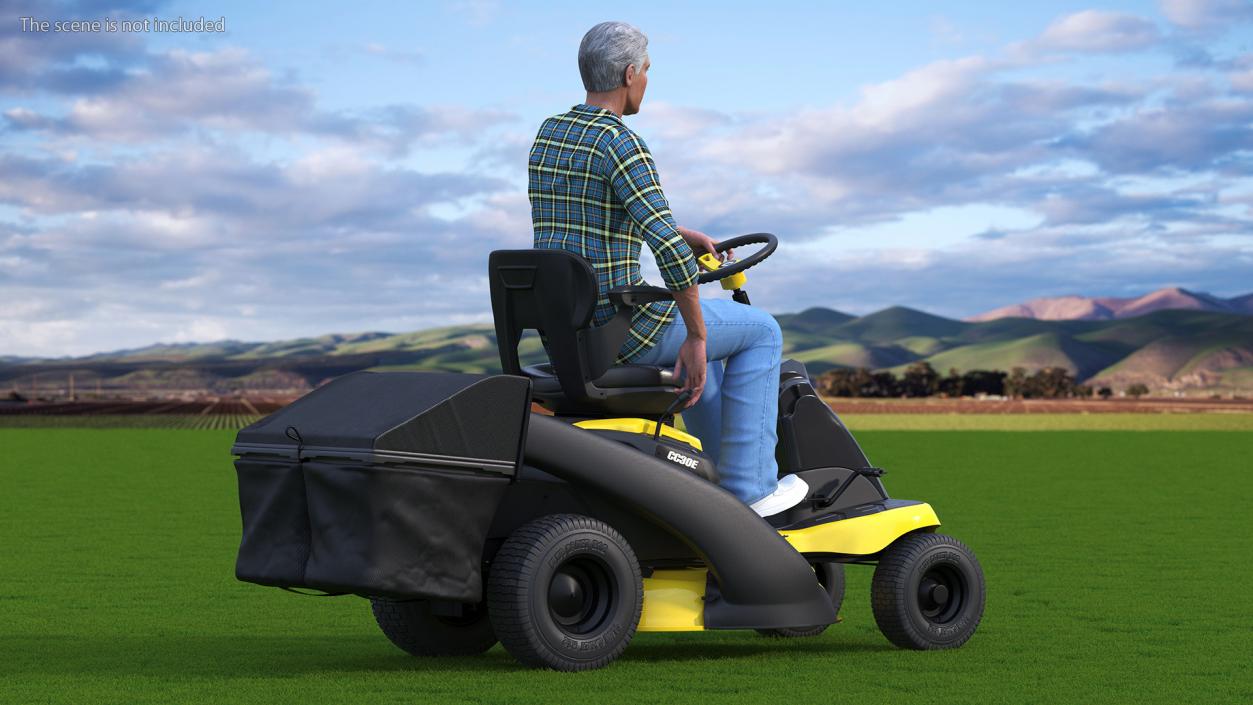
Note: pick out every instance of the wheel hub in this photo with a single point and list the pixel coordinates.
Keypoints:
(580, 595)
(933, 594)
(940, 594)
(567, 597)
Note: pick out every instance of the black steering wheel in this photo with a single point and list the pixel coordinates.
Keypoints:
(770, 241)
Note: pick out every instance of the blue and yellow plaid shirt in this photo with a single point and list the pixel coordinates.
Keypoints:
(594, 191)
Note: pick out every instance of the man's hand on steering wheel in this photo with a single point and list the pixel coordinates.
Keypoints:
(702, 243)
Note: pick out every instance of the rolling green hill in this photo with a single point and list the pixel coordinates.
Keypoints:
(1049, 349)
(849, 354)
(1170, 349)
(896, 323)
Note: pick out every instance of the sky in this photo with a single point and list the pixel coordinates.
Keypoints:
(325, 167)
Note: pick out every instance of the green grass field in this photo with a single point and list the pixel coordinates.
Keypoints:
(1117, 567)
(1049, 422)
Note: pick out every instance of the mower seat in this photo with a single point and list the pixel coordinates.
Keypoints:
(554, 292)
(616, 377)
(635, 387)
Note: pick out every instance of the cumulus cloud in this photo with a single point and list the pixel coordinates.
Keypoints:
(201, 196)
(1098, 31)
(352, 264)
(1204, 15)
(177, 92)
(32, 62)
(952, 132)
(170, 228)
(1182, 136)
(1240, 73)
(1131, 181)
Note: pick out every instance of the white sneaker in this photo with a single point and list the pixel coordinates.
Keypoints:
(791, 491)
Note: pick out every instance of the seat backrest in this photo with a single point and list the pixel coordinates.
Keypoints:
(553, 292)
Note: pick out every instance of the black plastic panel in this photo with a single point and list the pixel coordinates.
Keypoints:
(427, 413)
(810, 433)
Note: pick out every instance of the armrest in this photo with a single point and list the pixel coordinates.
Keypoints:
(629, 296)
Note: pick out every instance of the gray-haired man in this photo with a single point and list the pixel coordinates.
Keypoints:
(594, 191)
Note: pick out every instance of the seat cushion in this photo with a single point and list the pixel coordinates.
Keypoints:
(617, 377)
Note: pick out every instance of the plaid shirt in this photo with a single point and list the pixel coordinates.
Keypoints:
(594, 191)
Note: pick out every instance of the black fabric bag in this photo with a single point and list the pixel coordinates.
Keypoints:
(275, 544)
(380, 484)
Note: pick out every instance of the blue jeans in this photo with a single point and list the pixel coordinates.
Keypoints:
(736, 416)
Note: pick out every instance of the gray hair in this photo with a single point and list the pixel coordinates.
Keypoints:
(606, 51)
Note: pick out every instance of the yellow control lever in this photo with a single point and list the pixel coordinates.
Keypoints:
(731, 283)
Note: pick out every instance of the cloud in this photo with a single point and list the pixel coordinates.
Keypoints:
(990, 234)
(1098, 31)
(335, 189)
(1240, 73)
(952, 132)
(223, 89)
(1127, 177)
(674, 122)
(476, 12)
(180, 92)
(171, 229)
(1182, 136)
(401, 56)
(396, 129)
(1207, 15)
(1091, 204)
(345, 248)
(35, 62)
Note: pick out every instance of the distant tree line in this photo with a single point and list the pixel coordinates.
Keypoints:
(921, 380)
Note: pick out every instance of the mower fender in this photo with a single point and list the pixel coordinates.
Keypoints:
(863, 535)
(761, 582)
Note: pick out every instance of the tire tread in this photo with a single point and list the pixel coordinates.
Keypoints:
(890, 583)
(508, 592)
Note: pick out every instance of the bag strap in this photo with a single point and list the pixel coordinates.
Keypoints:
(312, 593)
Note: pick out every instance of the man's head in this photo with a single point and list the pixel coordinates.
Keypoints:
(613, 58)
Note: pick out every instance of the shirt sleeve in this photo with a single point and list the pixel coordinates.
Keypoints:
(633, 178)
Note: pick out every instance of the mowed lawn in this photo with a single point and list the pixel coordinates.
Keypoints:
(1118, 569)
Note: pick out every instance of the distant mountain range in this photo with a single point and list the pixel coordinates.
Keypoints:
(1107, 308)
(1165, 349)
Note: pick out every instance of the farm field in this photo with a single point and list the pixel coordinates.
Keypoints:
(934, 414)
(1114, 559)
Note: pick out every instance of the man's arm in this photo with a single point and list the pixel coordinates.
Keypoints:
(633, 177)
(692, 351)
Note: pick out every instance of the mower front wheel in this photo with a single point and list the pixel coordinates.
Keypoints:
(927, 592)
(565, 593)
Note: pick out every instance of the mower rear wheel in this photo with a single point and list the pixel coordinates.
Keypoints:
(565, 593)
(412, 626)
(831, 578)
(927, 592)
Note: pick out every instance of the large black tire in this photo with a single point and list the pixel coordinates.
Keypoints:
(565, 593)
(414, 628)
(928, 592)
(831, 578)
